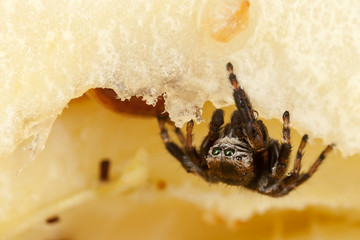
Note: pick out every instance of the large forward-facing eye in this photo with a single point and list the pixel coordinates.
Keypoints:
(216, 151)
(229, 152)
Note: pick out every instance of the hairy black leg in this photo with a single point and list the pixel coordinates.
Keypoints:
(297, 164)
(254, 129)
(286, 128)
(189, 127)
(242, 101)
(217, 120)
(290, 182)
(290, 185)
(261, 137)
(180, 136)
(292, 176)
(267, 167)
(189, 147)
(279, 160)
(235, 119)
(236, 124)
(279, 164)
(174, 149)
(177, 152)
(316, 164)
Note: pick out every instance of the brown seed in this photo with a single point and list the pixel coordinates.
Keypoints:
(104, 170)
(52, 219)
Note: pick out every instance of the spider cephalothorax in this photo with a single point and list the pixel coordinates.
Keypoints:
(230, 160)
(242, 153)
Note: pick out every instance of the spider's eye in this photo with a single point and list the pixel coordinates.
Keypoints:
(229, 152)
(216, 151)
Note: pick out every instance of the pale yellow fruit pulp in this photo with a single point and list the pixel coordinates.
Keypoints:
(64, 183)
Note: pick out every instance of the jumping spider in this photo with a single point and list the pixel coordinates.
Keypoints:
(242, 153)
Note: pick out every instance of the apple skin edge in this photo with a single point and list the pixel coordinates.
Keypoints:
(135, 105)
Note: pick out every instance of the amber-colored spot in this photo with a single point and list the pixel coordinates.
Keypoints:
(227, 18)
(161, 185)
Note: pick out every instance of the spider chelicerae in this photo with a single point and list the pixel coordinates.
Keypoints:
(242, 153)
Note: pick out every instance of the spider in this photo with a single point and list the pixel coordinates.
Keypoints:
(241, 153)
